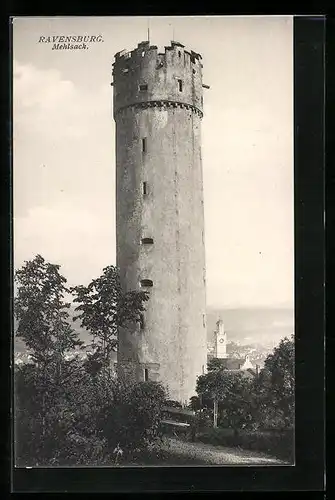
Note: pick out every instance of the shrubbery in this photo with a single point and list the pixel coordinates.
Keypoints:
(247, 406)
(85, 425)
(70, 411)
(274, 442)
(132, 420)
(265, 401)
(172, 404)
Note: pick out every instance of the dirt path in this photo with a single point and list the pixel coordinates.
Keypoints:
(219, 455)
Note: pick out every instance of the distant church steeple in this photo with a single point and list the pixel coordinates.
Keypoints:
(221, 340)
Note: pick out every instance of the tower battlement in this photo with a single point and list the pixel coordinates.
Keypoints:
(124, 55)
(144, 76)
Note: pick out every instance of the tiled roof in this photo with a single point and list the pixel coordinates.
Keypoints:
(232, 363)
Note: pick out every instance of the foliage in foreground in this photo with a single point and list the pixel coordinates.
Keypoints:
(70, 411)
(253, 413)
(132, 420)
(84, 422)
(102, 307)
(263, 402)
(60, 399)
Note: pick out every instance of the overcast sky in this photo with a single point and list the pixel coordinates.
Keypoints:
(64, 159)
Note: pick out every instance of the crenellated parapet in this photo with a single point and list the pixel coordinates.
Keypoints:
(144, 76)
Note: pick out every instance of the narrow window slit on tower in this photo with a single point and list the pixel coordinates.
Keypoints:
(179, 53)
(180, 85)
(141, 321)
(146, 374)
(147, 241)
(143, 87)
(145, 188)
(146, 283)
(204, 320)
(144, 144)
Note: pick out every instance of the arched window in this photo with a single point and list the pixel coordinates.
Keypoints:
(147, 241)
(146, 283)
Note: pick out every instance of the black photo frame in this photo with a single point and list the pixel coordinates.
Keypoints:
(308, 472)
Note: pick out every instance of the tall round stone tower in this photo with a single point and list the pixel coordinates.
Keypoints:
(158, 103)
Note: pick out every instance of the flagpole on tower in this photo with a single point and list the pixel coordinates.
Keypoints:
(148, 31)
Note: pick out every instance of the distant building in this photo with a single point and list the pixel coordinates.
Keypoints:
(236, 363)
(220, 340)
(232, 361)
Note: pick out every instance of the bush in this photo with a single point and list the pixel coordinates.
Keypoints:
(278, 443)
(172, 404)
(57, 426)
(203, 420)
(84, 423)
(81, 450)
(195, 403)
(132, 421)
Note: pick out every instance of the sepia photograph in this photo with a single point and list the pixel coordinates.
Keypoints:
(153, 241)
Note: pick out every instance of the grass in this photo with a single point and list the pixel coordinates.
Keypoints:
(160, 456)
(276, 443)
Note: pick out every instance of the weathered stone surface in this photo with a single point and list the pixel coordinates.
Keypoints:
(172, 345)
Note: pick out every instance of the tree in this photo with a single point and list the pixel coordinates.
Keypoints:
(237, 406)
(103, 308)
(232, 393)
(62, 402)
(211, 385)
(42, 387)
(42, 313)
(214, 364)
(276, 387)
(43, 321)
(195, 403)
